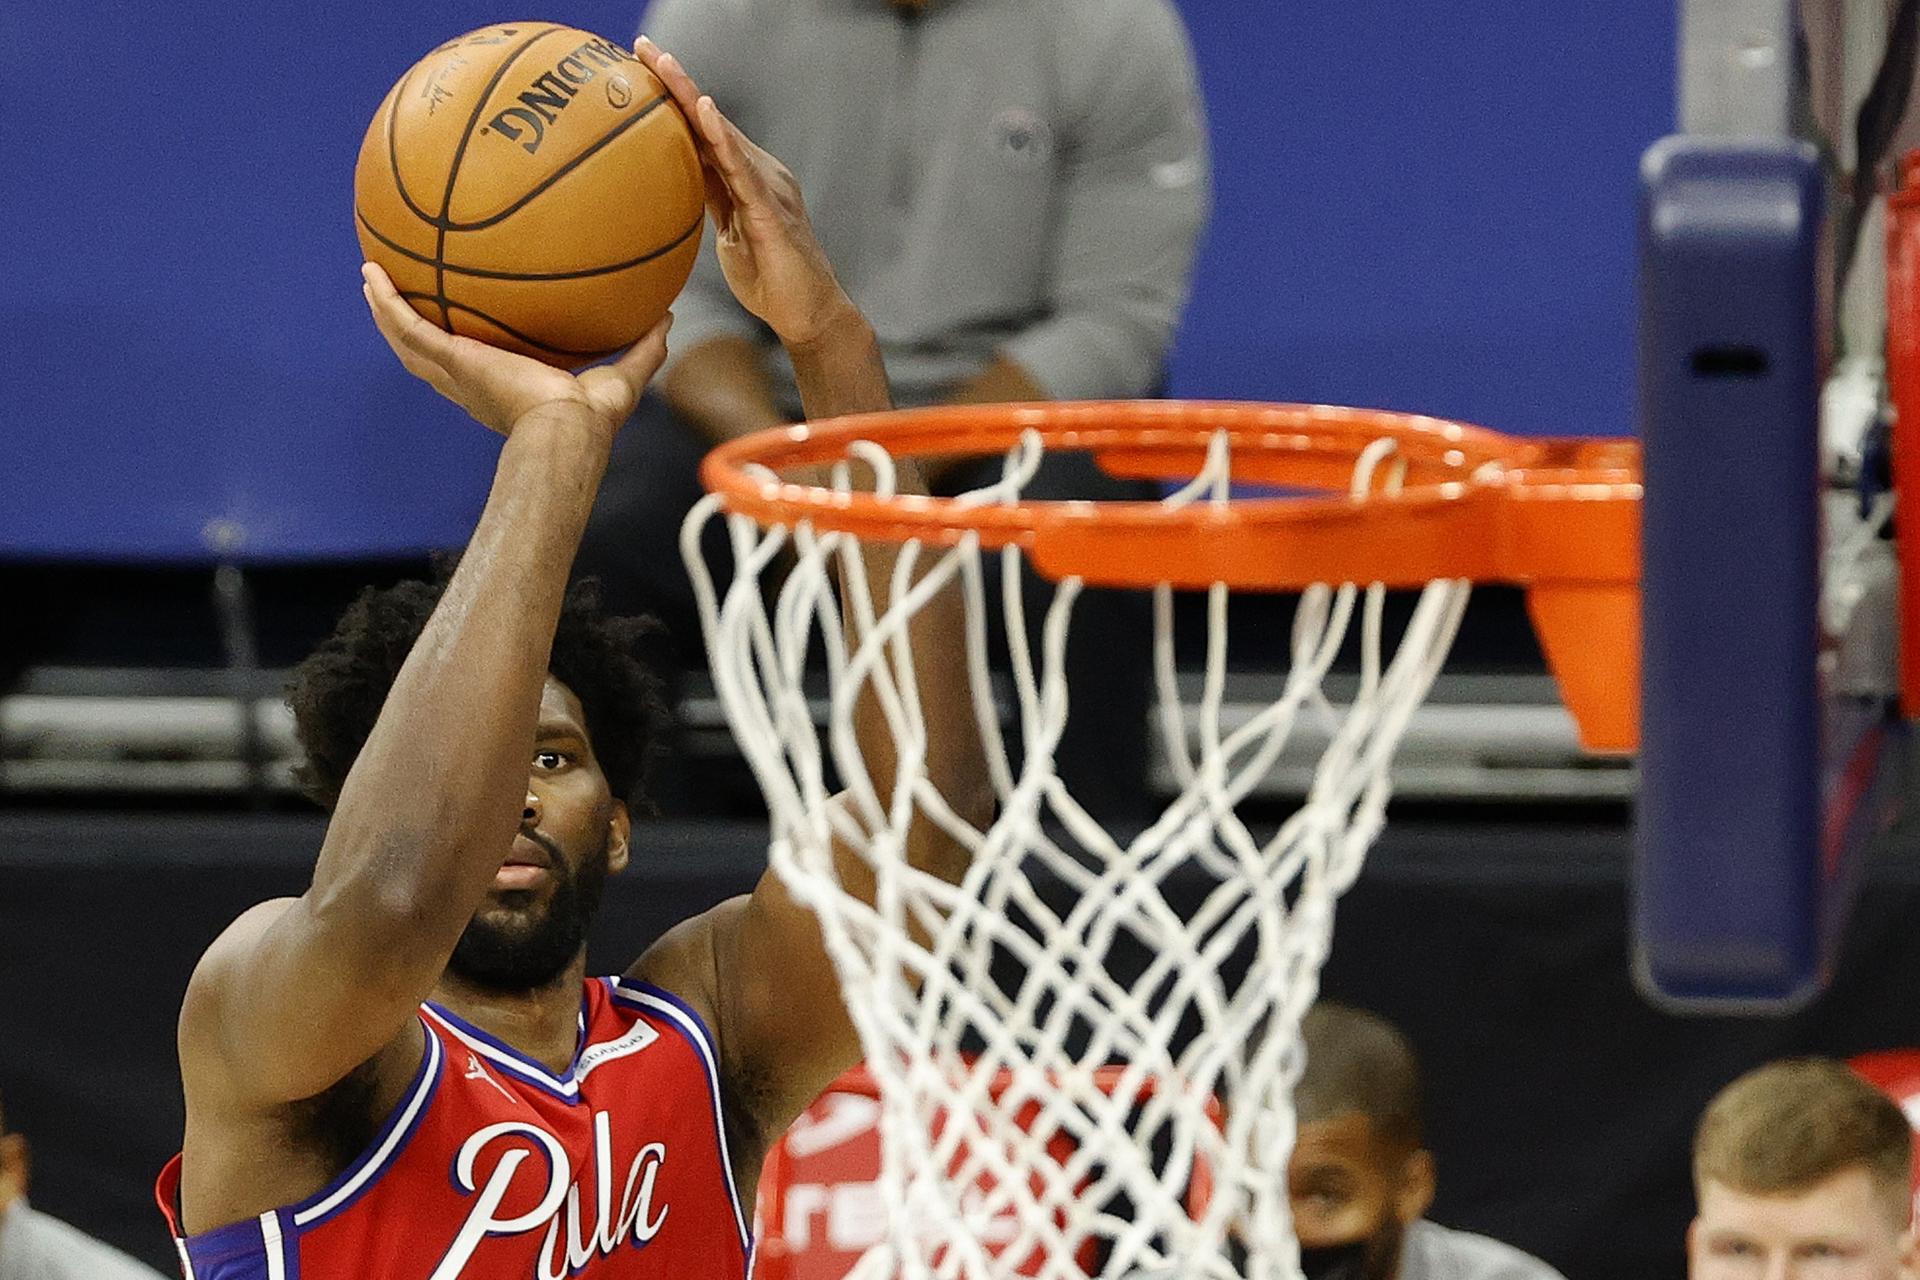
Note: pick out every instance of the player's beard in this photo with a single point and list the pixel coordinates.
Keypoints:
(531, 951)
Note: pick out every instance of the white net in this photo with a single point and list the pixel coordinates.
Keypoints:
(1180, 960)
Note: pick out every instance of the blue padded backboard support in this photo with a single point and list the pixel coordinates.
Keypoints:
(1734, 898)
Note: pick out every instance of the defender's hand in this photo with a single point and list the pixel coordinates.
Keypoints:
(768, 251)
(500, 388)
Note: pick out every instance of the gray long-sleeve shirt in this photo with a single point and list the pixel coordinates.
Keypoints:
(1433, 1252)
(1018, 177)
(34, 1246)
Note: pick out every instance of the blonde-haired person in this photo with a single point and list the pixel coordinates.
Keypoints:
(1802, 1170)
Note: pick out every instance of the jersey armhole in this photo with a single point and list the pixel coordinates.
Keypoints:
(397, 1129)
(664, 1006)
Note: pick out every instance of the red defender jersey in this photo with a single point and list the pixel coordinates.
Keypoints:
(493, 1168)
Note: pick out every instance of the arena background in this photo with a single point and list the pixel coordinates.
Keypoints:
(1423, 210)
(1417, 207)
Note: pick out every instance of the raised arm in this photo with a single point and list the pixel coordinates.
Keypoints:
(299, 992)
(759, 961)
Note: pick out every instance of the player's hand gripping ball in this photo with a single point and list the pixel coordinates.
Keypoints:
(535, 187)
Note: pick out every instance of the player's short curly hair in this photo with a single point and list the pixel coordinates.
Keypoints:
(337, 692)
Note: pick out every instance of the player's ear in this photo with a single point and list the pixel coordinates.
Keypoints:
(1417, 1181)
(619, 838)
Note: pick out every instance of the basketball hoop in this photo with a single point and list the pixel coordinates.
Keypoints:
(1088, 1100)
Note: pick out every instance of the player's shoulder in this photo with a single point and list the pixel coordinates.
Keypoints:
(616, 1004)
(685, 959)
(1434, 1252)
(227, 958)
(1119, 60)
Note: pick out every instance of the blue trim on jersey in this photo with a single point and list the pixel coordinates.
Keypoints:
(517, 1064)
(709, 1046)
(432, 1068)
(237, 1251)
(698, 1034)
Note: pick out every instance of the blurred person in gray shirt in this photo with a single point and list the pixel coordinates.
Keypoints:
(34, 1246)
(1361, 1178)
(1013, 191)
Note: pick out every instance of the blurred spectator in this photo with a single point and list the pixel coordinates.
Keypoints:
(36, 1247)
(1011, 189)
(1361, 1178)
(1802, 1169)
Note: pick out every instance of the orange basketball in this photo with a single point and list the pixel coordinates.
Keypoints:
(535, 187)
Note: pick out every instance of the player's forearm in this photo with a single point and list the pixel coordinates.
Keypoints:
(954, 756)
(839, 370)
(432, 802)
(722, 388)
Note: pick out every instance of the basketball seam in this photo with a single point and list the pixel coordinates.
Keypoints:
(602, 141)
(393, 149)
(508, 329)
(453, 169)
(488, 273)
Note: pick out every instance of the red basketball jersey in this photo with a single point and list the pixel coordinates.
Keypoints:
(493, 1168)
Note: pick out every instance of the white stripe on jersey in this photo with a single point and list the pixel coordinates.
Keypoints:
(371, 1169)
(275, 1247)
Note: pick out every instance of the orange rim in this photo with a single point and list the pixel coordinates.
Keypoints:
(1475, 503)
(1558, 516)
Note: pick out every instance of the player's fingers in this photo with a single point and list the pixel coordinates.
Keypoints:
(422, 347)
(402, 327)
(391, 314)
(743, 177)
(411, 362)
(639, 362)
(687, 96)
(615, 388)
(719, 199)
(679, 82)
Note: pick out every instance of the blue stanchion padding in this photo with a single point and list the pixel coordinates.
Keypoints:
(1730, 884)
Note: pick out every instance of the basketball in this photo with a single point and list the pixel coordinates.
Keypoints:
(535, 187)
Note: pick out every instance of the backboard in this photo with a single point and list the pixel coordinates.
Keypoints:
(1772, 730)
